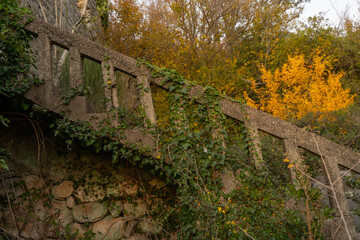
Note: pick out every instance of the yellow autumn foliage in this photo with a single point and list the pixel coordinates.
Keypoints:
(299, 88)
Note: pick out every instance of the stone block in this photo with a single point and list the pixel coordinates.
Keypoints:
(116, 208)
(13, 190)
(90, 193)
(79, 228)
(65, 217)
(149, 226)
(89, 212)
(70, 202)
(114, 191)
(353, 206)
(130, 228)
(58, 205)
(357, 222)
(136, 209)
(109, 228)
(356, 196)
(41, 209)
(131, 189)
(33, 181)
(63, 190)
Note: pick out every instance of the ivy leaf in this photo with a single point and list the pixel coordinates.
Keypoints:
(25, 106)
(186, 146)
(3, 164)
(171, 88)
(4, 121)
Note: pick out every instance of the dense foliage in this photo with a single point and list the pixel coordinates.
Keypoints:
(237, 45)
(199, 146)
(218, 42)
(102, 7)
(297, 90)
(16, 59)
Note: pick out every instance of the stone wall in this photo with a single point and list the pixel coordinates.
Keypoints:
(66, 13)
(57, 192)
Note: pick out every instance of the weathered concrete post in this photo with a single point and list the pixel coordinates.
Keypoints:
(255, 144)
(111, 91)
(108, 78)
(336, 227)
(42, 94)
(143, 84)
(75, 65)
(292, 153)
(78, 104)
(109, 75)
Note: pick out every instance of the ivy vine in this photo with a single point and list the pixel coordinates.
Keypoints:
(16, 57)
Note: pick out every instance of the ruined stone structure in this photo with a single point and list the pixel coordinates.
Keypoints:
(48, 95)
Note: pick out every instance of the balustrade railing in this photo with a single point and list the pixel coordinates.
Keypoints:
(48, 95)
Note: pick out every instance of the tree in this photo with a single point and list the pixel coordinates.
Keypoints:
(300, 88)
(213, 42)
(126, 23)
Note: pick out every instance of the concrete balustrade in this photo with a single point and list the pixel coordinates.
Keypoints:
(48, 96)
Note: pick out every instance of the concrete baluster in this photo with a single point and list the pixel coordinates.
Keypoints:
(145, 95)
(336, 226)
(110, 89)
(109, 81)
(43, 93)
(75, 64)
(113, 89)
(45, 58)
(115, 99)
(255, 144)
(292, 153)
(78, 105)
